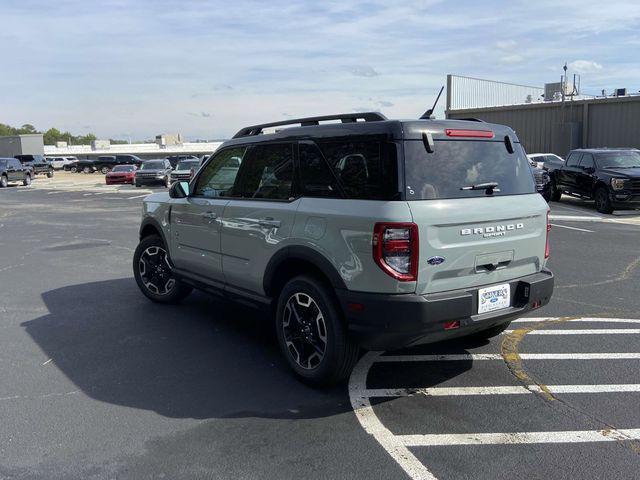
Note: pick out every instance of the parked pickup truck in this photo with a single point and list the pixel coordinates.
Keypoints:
(38, 163)
(611, 177)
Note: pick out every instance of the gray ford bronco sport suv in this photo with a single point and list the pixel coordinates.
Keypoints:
(359, 233)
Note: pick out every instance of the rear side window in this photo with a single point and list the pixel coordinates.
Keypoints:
(266, 173)
(366, 170)
(316, 178)
(457, 164)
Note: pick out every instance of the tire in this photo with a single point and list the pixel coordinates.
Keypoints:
(555, 193)
(74, 169)
(158, 285)
(86, 170)
(302, 301)
(104, 170)
(4, 181)
(50, 173)
(490, 332)
(166, 182)
(27, 180)
(602, 200)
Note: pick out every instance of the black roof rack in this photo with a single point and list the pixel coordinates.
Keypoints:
(310, 121)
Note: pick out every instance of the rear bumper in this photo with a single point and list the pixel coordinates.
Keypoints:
(384, 321)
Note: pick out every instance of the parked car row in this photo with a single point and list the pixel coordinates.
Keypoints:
(153, 172)
(105, 163)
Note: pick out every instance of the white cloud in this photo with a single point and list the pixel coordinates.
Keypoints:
(585, 66)
(506, 44)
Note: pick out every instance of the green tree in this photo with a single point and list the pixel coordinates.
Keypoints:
(52, 136)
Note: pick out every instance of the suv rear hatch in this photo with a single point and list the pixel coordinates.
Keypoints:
(471, 234)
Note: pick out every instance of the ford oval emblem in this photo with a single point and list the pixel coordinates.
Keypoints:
(435, 260)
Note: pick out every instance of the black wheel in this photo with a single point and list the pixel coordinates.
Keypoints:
(27, 180)
(50, 173)
(74, 169)
(311, 332)
(86, 170)
(555, 193)
(104, 170)
(153, 272)
(603, 202)
(4, 181)
(137, 185)
(491, 332)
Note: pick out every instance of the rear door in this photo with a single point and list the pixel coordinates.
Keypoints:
(260, 215)
(469, 238)
(567, 176)
(196, 220)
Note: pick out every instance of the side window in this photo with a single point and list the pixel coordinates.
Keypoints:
(266, 173)
(316, 178)
(219, 175)
(587, 161)
(16, 164)
(366, 169)
(573, 159)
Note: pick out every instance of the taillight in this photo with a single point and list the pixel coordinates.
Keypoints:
(395, 249)
(451, 132)
(546, 248)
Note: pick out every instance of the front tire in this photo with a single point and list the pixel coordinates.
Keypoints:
(555, 193)
(86, 170)
(104, 170)
(74, 170)
(27, 180)
(50, 173)
(153, 272)
(602, 200)
(312, 334)
(4, 181)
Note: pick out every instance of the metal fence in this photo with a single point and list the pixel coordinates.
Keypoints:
(469, 92)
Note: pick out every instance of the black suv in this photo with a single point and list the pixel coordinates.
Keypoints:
(154, 172)
(611, 177)
(11, 170)
(175, 159)
(38, 163)
(104, 164)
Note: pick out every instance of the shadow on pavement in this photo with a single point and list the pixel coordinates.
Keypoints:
(201, 359)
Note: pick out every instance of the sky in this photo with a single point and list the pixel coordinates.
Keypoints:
(124, 68)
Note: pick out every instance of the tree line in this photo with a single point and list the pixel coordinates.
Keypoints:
(52, 135)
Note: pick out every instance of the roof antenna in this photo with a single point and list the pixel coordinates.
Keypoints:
(429, 113)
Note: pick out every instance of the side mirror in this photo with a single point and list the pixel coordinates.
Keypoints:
(179, 190)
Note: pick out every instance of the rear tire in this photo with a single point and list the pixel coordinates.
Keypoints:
(4, 181)
(86, 170)
(74, 170)
(104, 170)
(602, 200)
(27, 180)
(312, 334)
(153, 272)
(50, 173)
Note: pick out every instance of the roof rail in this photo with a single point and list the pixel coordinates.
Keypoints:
(310, 121)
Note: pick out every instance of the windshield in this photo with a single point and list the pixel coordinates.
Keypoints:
(3, 163)
(188, 164)
(123, 168)
(619, 159)
(456, 167)
(153, 165)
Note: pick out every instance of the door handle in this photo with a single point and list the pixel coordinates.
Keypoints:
(269, 222)
(210, 216)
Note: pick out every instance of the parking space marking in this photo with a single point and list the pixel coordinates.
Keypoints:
(499, 390)
(397, 445)
(578, 436)
(497, 356)
(596, 331)
(576, 218)
(137, 196)
(572, 228)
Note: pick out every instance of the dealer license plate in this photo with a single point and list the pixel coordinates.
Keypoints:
(494, 298)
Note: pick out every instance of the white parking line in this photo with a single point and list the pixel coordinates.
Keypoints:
(499, 390)
(571, 228)
(138, 196)
(496, 356)
(580, 320)
(576, 218)
(597, 331)
(579, 436)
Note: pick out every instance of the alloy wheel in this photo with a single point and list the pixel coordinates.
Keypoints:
(305, 330)
(155, 271)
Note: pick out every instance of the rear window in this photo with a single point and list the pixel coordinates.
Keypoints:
(458, 164)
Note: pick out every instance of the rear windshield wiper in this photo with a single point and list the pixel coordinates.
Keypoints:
(488, 187)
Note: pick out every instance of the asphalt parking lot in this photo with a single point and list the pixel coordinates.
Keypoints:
(97, 382)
